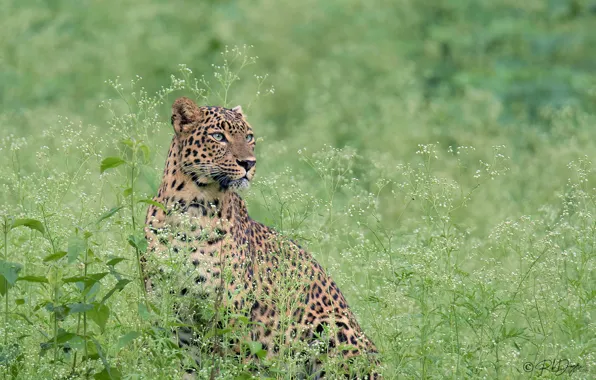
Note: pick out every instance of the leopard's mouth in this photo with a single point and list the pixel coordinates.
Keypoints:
(226, 182)
(240, 184)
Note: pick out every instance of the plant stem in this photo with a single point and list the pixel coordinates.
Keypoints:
(5, 231)
(134, 223)
(74, 360)
(55, 289)
(85, 314)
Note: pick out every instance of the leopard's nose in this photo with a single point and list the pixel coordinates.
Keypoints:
(247, 164)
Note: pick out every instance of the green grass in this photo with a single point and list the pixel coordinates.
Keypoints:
(435, 157)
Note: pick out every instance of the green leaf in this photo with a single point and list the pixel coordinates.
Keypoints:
(216, 332)
(19, 301)
(87, 285)
(152, 202)
(109, 214)
(61, 338)
(24, 318)
(145, 150)
(78, 343)
(144, 312)
(115, 261)
(64, 336)
(110, 163)
(128, 142)
(90, 291)
(91, 258)
(31, 223)
(153, 307)
(89, 279)
(111, 374)
(76, 246)
(119, 286)
(79, 307)
(240, 318)
(100, 315)
(513, 332)
(254, 347)
(91, 352)
(38, 279)
(54, 256)
(10, 271)
(127, 192)
(68, 280)
(61, 311)
(95, 277)
(262, 354)
(138, 243)
(126, 339)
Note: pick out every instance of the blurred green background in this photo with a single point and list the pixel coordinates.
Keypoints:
(379, 76)
(529, 55)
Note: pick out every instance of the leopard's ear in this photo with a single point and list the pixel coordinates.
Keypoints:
(185, 114)
(238, 109)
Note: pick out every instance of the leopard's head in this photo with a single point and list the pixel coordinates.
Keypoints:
(216, 144)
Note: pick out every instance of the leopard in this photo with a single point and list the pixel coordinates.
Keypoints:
(210, 162)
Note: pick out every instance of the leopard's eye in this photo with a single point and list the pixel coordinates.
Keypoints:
(218, 136)
(250, 137)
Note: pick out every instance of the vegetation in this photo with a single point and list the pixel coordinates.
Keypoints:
(436, 157)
